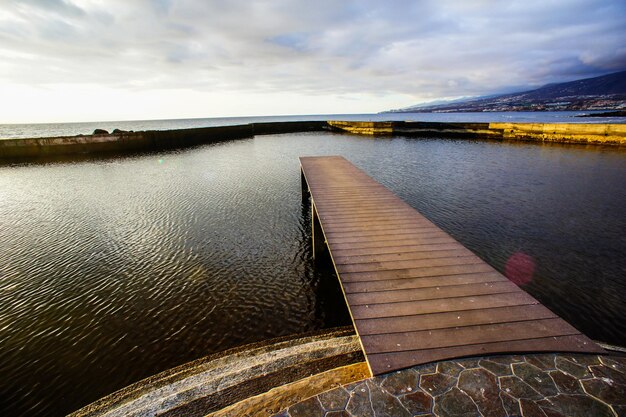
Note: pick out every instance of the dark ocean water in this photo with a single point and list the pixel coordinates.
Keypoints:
(114, 269)
(8, 131)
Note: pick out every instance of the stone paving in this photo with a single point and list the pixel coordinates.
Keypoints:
(538, 385)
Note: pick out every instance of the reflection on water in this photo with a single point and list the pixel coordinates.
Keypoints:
(112, 270)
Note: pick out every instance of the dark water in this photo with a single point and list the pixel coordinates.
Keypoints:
(69, 129)
(114, 269)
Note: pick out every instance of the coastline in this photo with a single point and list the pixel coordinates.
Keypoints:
(122, 141)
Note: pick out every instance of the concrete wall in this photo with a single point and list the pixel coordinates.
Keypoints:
(125, 141)
(362, 128)
(146, 140)
(606, 134)
(582, 133)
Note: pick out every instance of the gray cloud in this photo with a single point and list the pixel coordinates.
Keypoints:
(427, 49)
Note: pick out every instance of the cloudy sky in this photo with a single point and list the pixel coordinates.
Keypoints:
(83, 60)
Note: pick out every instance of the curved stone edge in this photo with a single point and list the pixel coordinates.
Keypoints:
(287, 395)
(184, 384)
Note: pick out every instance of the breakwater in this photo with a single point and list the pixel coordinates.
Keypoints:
(122, 141)
(581, 133)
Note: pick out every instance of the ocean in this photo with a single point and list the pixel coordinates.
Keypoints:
(36, 130)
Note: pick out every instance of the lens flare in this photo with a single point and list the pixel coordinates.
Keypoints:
(520, 268)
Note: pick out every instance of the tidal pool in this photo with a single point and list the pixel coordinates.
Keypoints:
(114, 269)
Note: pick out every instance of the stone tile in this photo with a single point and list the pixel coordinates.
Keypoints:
(581, 385)
(341, 413)
(505, 359)
(455, 403)
(602, 371)
(511, 405)
(565, 383)
(359, 403)
(449, 368)
(517, 388)
(606, 390)
(530, 409)
(576, 406)
(335, 399)
(482, 387)
(401, 382)
(468, 363)
(584, 360)
(385, 404)
(620, 410)
(613, 363)
(536, 378)
(546, 408)
(544, 362)
(436, 384)
(417, 402)
(569, 367)
(621, 358)
(428, 368)
(496, 368)
(350, 387)
(552, 413)
(378, 380)
(307, 408)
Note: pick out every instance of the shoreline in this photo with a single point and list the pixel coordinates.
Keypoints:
(151, 140)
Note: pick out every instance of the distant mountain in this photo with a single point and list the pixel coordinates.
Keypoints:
(607, 92)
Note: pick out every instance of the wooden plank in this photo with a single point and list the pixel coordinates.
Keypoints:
(415, 272)
(461, 259)
(385, 227)
(452, 319)
(401, 255)
(396, 231)
(349, 254)
(387, 362)
(425, 282)
(430, 293)
(467, 335)
(376, 221)
(413, 237)
(388, 244)
(415, 294)
(410, 308)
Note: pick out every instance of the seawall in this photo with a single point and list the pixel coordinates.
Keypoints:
(605, 134)
(145, 140)
(580, 133)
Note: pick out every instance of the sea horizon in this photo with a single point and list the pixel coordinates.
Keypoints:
(39, 130)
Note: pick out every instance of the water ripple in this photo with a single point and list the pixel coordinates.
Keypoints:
(113, 270)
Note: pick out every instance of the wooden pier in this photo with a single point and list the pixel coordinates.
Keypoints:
(415, 294)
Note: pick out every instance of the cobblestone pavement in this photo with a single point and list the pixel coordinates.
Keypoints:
(541, 385)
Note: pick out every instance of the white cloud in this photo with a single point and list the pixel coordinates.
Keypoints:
(262, 57)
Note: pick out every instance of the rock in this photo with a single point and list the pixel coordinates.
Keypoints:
(482, 387)
(333, 400)
(115, 131)
(536, 378)
(437, 384)
(386, 405)
(100, 132)
(455, 403)
(307, 408)
(402, 382)
(417, 402)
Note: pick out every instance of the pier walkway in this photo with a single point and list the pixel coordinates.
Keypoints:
(415, 294)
